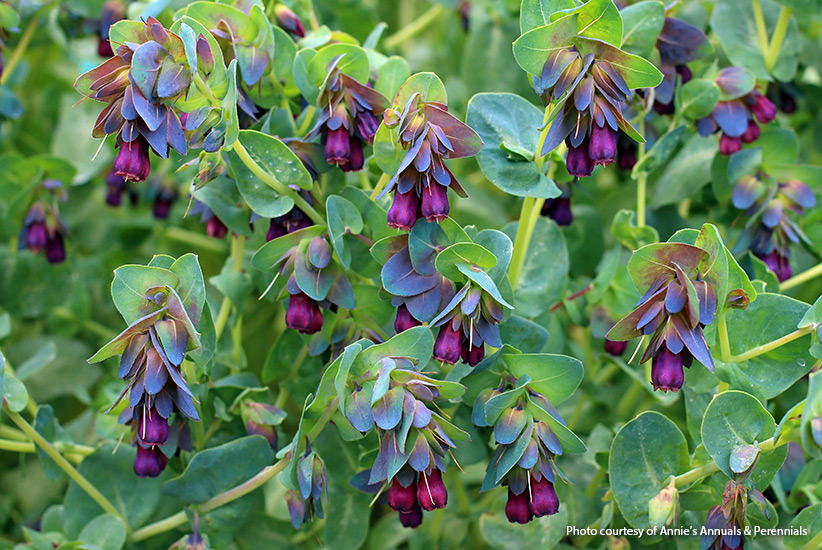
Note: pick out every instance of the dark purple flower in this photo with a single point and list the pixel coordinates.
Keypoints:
(544, 500)
(448, 346)
(356, 157)
(276, 229)
(163, 202)
(464, 9)
(777, 263)
(404, 320)
(626, 153)
(404, 210)
(472, 355)
(603, 144)
(431, 492)
(559, 210)
(149, 462)
(615, 348)
(289, 20)
(268, 432)
(132, 162)
(518, 508)
(752, 133)
(434, 202)
(667, 370)
(303, 314)
(762, 108)
(411, 519)
(402, 499)
(55, 250)
(152, 429)
(729, 145)
(111, 12)
(684, 73)
(115, 185)
(579, 162)
(34, 234)
(337, 146)
(216, 228)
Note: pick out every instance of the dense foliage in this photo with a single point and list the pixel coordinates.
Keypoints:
(481, 274)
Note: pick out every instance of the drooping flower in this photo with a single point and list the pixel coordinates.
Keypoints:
(262, 419)
(559, 208)
(43, 231)
(349, 117)
(679, 43)
(111, 12)
(163, 201)
(303, 314)
(615, 348)
(289, 20)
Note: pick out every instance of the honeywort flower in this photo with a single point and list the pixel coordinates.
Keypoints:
(678, 44)
(312, 480)
(111, 12)
(262, 419)
(349, 117)
(289, 20)
(43, 231)
(559, 208)
(774, 208)
(673, 311)
(163, 201)
(429, 134)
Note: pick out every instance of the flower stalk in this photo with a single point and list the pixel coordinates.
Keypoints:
(765, 348)
(415, 27)
(778, 38)
(8, 70)
(800, 278)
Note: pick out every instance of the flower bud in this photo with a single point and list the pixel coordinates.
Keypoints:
(404, 320)
(55, 250)
(615, 348)
(216, 228)
(663, 507)
(367, 124)
(411, 519)
(763, 109)
(152, 429)
(729, 145)
(356, 157)
(149, 462)
(403, 211)
(289, 20)
(666, 370)
(431, 492)
(778, 264)
(303, 314)
(268, 432)
(544, 499)
(448, 346)
(602, 148)
(205, 57)
(402, 499)
(132, 162)
(752, 133)
(435, 205)
(578, 162)
(518, 509)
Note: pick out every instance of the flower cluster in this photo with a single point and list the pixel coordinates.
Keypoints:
(395, 397)
(524, 459)
(429, 134)
(349, 118)
(736, 118)
(152, 348)
(678, 44)
(771, 228)
(467, 323)
(140, 85)
(262, 419)
(312, 480)
(675, 307)
(43, 229)
(590, 120)
(731, 536)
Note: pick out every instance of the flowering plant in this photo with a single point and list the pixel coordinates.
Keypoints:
(471, 274)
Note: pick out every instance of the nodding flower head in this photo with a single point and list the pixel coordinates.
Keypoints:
(518, 507)
(411, 519)
(152, 429)
(448, 347)
(149, 462)
(404, 320)
(132, 162)
(403, 498)
(615, 348)
(431, 492)
(303, 314)
(289, 20)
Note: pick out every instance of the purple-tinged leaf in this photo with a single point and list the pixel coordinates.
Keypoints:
(732, 117)
(400, 278)
(509, 426)
(305, 471)
(422, 415)
(174, 339)
(772, 214)
(743, 458)
(675, 297)
(173, 79)
(358, 409)
(530, 456)
(156, 373)
(513, 453)
(706, 294)
(145, 67)
(465, 142)
(735, 82)
(388, 409)
(655, 261)
(680, 42)
(319, 252)
(747, 192)
(420, 457)
(695, 341)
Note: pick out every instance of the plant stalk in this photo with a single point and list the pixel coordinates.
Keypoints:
(415, 27)
(237, 252)
(17, 55)
(765, 348)
(724, 342)
(761, 31)
(800, 278)
(778, 37)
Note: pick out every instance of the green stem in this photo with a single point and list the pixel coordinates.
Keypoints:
(629, 400)
(237, 251)
(275, 184)
(711, 467)
(761, 31)
(193, 239)
(814, 544)
(415, 27)
(778, 38)
(234, 493)
(17, 55)
(520, 243)
(765, 348)
(17, 446)
(64, 464)
(724, 343)
(11, 433)
(306, 125)
(800, 278)
(641, 182)
(383, 181)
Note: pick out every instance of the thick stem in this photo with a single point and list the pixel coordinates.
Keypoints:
(415, 27)
(761, 31)
(190, 238)
(724, 343)
(778, 37)
(520, 242)
(64, 464)
(275, 184)
(765, 348)
(711, 467)
(800, 278)
(383, 181)
(17, 55)
(641, 182)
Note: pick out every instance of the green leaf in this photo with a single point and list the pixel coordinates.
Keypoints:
(14, 392)
(191, 287)
(569, 440)
(599, 19)
(624, 229)
(343, 217)
(697, 98)
(428, 85)
(222, 196)
(130, 286)
(271, 253)
(645, 453)
(543, 533)
(533, 48)
(642, 24)
(687, 172)
(545, 270)
(448, 260)
(508, 122)
(354, 62)
(554, 376)
(392, 74)
(735, 26)
(770, 317)
(275, 158)
(218, 469)
(536, 13)
(106, 532)
(809, 520)
(484, 281)
(736, 418)
(637, 71)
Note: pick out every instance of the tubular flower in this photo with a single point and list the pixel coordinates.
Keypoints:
(677, 305)
(215, 227)
(678, 44)
(469, 321)
(414, 439)
(140, 86)
(530, 480)
(163, 201)
(559, 208)
(349, 118)
(43, 231)
(774, 208)
(289, 21)
(736, 119)
(429, 135)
